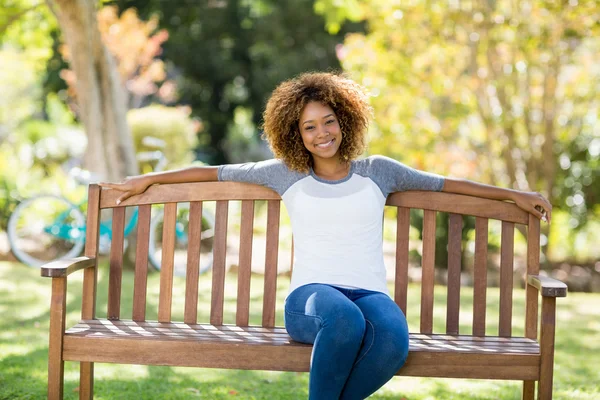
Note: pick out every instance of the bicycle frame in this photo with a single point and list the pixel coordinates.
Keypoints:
(59, 228)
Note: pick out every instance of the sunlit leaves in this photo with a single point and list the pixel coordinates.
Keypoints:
(135, 44)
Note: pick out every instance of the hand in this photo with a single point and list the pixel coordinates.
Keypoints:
(535, 204)
(131, 185)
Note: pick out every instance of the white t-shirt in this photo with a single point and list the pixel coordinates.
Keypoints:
(337, 225)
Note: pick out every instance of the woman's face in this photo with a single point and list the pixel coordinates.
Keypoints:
(320, 130)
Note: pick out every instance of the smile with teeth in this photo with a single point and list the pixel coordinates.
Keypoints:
(325, 145)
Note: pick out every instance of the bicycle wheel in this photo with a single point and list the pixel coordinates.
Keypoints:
(46, 228)
(181, 240)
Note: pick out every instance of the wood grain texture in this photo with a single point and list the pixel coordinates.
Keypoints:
(454, 269)
(165, 299)
(528, 390)
(56, 367)
(219, 254)
(533, 268)
(90, 275)
(272, 252)
(402, 240)
(86, 380)
(547, 330)
(428, 271)
(549, 287)
(191, 191)
(192, 272)
(116, 264)
(245, 271)
(459, 204)
(506, 277)
(229, 346)
(140, 282)
(480, 276)
(66, 267)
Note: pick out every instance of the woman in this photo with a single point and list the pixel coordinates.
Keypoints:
(316, 125)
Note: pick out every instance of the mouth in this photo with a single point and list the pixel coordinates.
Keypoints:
(325, 145)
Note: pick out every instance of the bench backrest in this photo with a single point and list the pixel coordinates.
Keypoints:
(223, 192)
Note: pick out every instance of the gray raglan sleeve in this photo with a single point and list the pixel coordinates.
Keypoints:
(270, 173)
(393, 176)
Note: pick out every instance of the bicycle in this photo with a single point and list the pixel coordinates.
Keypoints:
(49, 227)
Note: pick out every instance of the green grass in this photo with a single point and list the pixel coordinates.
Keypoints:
(24, 321)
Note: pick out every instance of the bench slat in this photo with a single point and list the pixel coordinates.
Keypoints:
(245, 267)
(90, 279)
(401, 281)
(506, 277)
(166, 263)
(428, 271)
(271, 349)
(88, 304)
(192, 272)
(141, 263)
(270, 290)
(191, 191)
(116, 264)
(454, 269)
(480, 276)
(533, 268)
(219, 254)
(459, 204)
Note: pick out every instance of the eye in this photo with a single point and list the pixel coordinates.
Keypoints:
(309, 128)
(331, 121)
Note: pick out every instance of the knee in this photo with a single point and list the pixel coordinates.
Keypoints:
(348, 323)
(395, 347)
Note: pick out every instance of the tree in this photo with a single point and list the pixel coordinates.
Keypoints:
(101, 98)
(494, 91)
(231, 54)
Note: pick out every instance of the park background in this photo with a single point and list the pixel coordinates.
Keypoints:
(500, 92)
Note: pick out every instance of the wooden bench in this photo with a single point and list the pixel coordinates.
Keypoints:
(452, 353)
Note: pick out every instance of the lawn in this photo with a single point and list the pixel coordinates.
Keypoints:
(24, 320)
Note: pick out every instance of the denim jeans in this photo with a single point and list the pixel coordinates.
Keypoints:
(360, 338)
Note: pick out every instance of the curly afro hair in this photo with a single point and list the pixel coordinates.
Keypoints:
(282, 114)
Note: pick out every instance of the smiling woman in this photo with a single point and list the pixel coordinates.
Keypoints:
(316, 125)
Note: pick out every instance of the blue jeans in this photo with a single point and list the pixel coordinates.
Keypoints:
(360, 338)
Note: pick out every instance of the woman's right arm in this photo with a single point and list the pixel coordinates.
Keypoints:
(138, 184)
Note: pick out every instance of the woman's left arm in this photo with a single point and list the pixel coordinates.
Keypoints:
(531, 202)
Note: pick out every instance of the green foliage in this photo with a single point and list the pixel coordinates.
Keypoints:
(336, 12)
(34, 155)
(497, 92)
(20, 88)
(27, 24)
(232, 54)
(171, 124)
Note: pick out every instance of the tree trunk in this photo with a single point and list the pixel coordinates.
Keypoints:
(101, 98)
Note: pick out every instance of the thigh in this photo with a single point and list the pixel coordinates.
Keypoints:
(311, 307)
(384, 318)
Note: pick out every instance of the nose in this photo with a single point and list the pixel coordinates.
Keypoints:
(321, 131)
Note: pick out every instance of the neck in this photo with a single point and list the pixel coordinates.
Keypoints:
(333, 168)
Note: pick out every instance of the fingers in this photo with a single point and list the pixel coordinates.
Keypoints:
(123, 197)
(542, 213)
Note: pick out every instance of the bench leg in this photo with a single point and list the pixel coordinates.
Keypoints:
(528, 390)
(86, 381)
(56, 365)
(547, 348)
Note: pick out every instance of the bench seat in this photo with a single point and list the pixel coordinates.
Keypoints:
(231, 346)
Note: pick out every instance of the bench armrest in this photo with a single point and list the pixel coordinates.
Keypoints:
(548, 286)
(67, 266)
